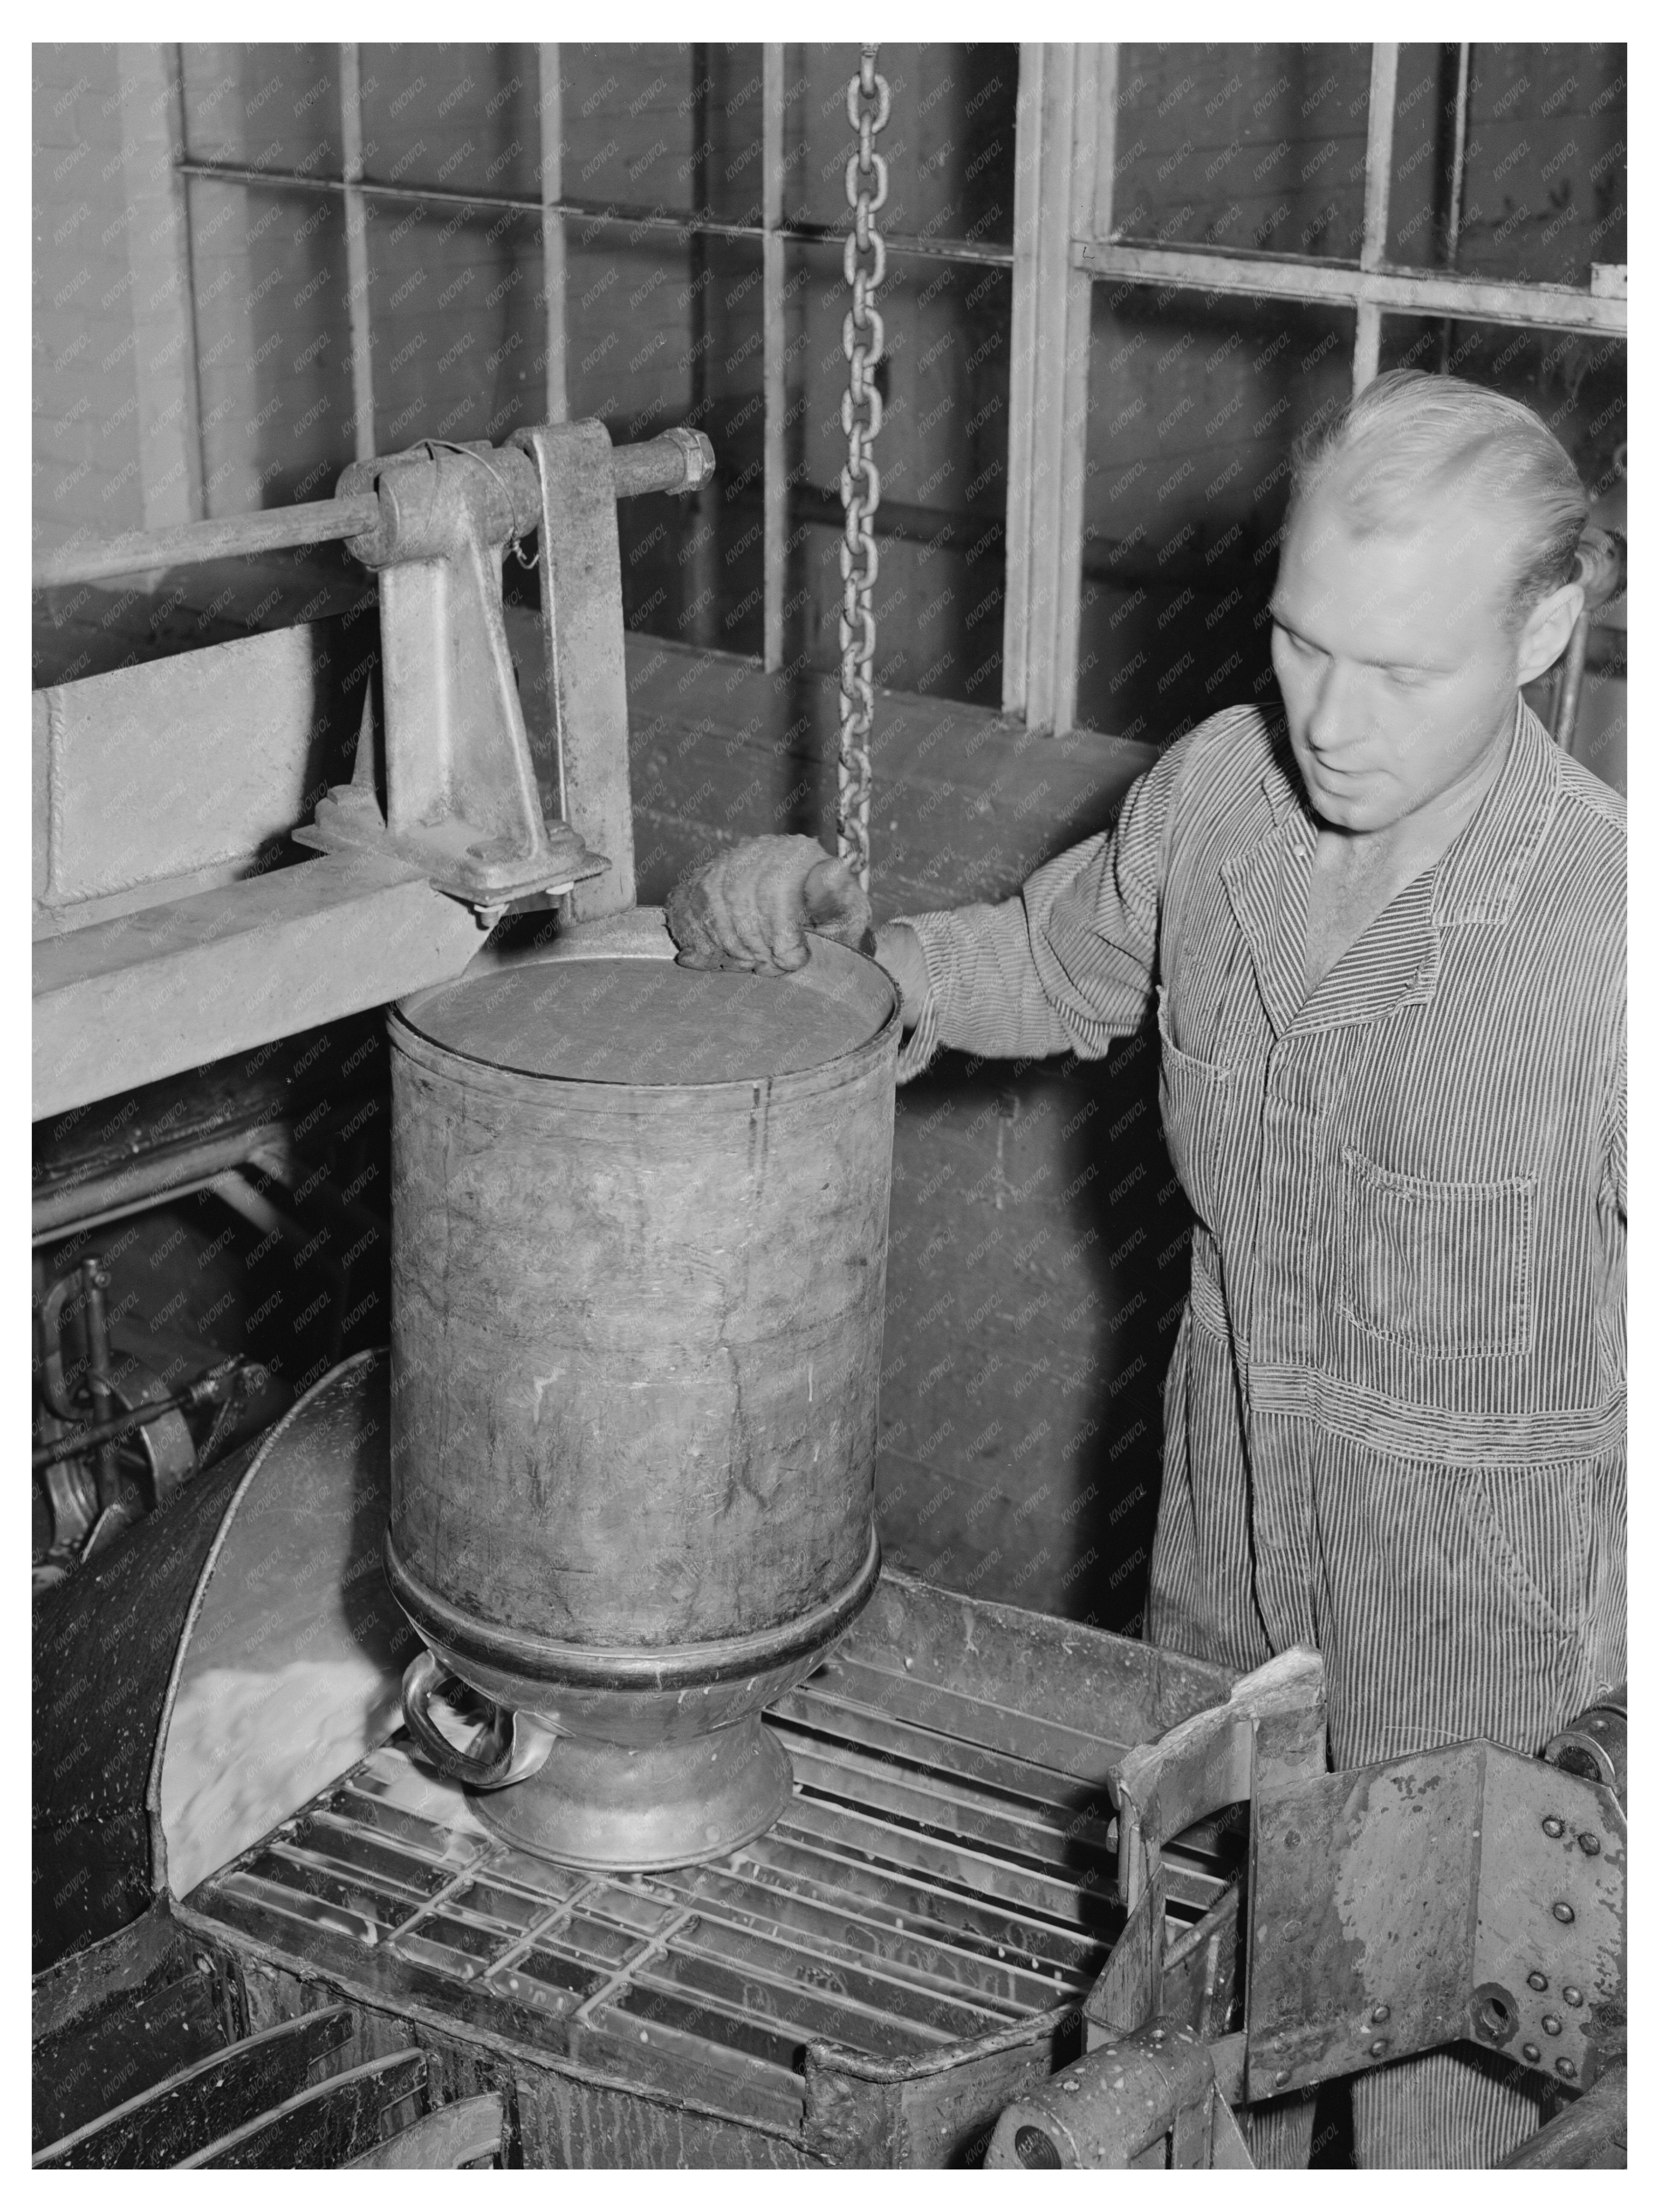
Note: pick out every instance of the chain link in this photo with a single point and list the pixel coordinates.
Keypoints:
(864, 264)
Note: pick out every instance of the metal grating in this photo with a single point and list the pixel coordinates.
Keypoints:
(924, 1889)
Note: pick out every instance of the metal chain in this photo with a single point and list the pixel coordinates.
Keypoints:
(865, 263)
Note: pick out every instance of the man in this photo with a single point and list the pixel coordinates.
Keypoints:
(1384, 936)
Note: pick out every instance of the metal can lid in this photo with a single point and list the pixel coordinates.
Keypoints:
(651, 1023)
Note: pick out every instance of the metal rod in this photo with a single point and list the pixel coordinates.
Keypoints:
(102, 1434)
(95, 1320)
(1412, 292)
(356, 245)
(663, 464)
(615, 214)
(316, 522)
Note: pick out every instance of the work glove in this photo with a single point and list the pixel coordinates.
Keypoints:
(752, 907)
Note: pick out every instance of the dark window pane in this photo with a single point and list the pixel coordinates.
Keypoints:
(458, 309)
(264, 106)
(949, 143)
(464, 117)
(274, 355)
(631, 117)
(1257, 147)
(942, 455)
(1193, 409)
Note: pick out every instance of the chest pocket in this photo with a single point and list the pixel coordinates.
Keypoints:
(1443, 1268)
(1195, 1097)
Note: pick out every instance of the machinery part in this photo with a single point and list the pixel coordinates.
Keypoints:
(318, 522)
(94, 1282)
(1596, 1745)
(868, 102)
(634, 1433)
(1466, 1891)
(460, 788)
(510, 1748)
(128, 1000)
(460, 797)
(1145, 2099)
(578, 483)
(1592, 2132)
(252, 1613)
(329, 2125)
(314, 522)
(1272, 1726)
(465, 2133)
(216, 1388)
(190, 2109)
(925, 1917)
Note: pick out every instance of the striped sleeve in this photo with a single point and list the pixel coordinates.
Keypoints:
(1066, 966)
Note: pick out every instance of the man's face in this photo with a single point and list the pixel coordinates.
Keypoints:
(1398, 675)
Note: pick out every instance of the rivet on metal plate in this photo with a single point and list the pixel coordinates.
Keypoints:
(1573, 1995)
(1530, 2051)
(1540, 1982)
(1566, 2069)
(1281, 2077)
(1552, 1826)
(1551, 2023)
(1563, 1912)
(1589, 1843)
(1379, 2046)
(1379, 2013)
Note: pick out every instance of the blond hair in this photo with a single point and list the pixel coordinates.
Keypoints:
(1408, 434)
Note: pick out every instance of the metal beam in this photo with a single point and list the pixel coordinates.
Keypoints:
(169, 988)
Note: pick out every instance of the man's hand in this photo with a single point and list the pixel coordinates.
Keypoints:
(752, 907)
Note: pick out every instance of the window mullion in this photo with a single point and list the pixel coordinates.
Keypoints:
(356, 245)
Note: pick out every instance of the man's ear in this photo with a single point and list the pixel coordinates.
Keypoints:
(1545, 632)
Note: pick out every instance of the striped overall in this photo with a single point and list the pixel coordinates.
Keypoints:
(1394, 1420)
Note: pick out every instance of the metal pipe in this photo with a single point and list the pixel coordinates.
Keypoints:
(676, 461)
(314, 522)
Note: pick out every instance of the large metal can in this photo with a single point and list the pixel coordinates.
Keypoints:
(640, 1221)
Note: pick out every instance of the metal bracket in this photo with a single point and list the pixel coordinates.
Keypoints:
(1463, 1892)
(460, 801)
